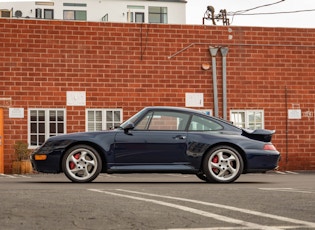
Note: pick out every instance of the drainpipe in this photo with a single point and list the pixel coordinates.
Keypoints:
(213, 53)
(224, 51)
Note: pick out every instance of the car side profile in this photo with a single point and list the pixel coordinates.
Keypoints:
(161, 140)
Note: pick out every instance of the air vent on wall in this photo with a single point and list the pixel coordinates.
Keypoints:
(18, 14)
(5, 13)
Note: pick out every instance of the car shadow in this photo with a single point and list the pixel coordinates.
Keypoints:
(147, 182)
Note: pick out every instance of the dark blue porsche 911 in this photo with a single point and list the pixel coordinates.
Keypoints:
(161, 140)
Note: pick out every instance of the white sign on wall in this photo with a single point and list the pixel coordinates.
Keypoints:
(194, 99)
(294, 114)
(16, 112)
(76, 98)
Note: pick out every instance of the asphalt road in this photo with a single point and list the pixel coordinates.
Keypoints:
(158, 201)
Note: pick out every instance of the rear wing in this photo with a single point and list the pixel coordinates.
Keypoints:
(259, 134)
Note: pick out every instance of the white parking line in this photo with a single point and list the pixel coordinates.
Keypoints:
(247, 211)
(192, 210)
(231, 228)
(207, 214)
(14, 176)
(290, 172)
(6, 175)
(286, 190)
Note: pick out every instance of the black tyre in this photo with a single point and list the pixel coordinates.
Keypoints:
(81, 163)
(223, 164)
(202, 176)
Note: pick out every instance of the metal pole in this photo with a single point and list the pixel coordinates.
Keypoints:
(213, 53)
(224, 51)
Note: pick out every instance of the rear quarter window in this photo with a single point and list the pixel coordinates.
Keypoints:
(203, 124)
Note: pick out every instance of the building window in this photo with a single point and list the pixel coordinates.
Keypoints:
(157, 14)
(130, 17)
(74, 15)
(103, 119)
(48, 14)
(44, 123)
(135, 13)
(135, 17)
(249, 119)
(139, 17)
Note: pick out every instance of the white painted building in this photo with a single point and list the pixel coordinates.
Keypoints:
(140, 11)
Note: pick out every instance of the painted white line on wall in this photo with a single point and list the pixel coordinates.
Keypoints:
(247, 211)
(191, 210)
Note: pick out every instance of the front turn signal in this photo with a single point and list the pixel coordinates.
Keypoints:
(40, 157)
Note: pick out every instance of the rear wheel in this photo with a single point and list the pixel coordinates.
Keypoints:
(81, 163)
(223, 164)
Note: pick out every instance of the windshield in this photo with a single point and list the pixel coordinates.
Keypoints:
(132, 119)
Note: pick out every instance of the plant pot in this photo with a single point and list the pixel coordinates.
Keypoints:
(22, 167)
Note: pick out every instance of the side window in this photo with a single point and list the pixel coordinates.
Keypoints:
(203, 124)
(144, 123)
(163, 120)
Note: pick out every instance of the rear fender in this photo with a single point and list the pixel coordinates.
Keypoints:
(236, 147)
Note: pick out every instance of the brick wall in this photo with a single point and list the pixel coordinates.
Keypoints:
(131, 66)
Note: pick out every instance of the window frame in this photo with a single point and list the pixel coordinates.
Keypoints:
(163, 17)
(46, 122)
(133, 11)
(67, 12)
(46, 11)
(203, 124)
(247, 123)
(151, 119)
(103, 121)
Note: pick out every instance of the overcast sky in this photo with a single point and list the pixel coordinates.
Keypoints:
(195, 10)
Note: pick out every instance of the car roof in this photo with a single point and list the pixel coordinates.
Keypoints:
(182, 109)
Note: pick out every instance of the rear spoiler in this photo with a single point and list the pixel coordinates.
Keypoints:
(259, 134)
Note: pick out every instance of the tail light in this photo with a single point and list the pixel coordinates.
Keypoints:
(269, 147)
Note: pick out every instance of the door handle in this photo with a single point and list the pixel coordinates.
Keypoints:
(179, 137)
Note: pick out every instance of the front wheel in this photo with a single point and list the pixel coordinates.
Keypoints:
(223, 164)
(81, 163)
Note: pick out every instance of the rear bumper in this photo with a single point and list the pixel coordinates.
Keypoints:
(262, 161)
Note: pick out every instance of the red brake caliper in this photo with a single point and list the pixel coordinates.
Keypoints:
(72, 164)
(215, 159)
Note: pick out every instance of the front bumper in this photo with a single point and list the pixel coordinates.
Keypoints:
(50, 165)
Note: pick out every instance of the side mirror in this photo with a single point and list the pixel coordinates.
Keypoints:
(129, 127)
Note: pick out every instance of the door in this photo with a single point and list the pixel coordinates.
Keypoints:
(150, 147)
(158, 140)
